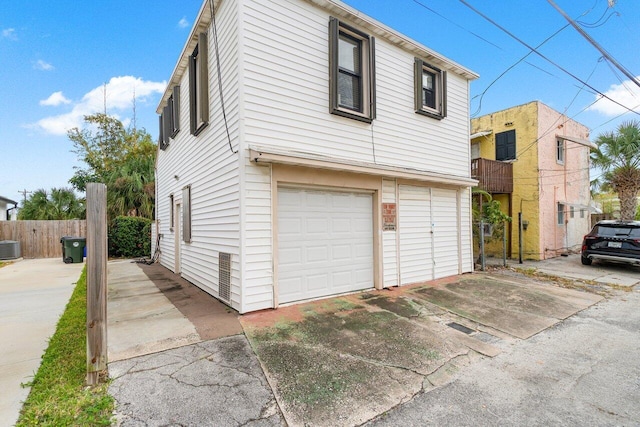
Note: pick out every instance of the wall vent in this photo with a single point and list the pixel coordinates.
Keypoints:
(224, 280)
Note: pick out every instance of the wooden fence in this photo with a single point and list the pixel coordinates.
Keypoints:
(41, 239)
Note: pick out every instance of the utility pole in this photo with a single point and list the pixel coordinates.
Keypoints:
(24, 195)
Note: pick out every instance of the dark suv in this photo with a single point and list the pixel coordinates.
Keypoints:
(612, 241)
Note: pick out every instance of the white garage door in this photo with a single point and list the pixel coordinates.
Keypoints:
(414, 222)
(325, 243)
(445, 234)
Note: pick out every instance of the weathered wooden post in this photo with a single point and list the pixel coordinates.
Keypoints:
(96, 281)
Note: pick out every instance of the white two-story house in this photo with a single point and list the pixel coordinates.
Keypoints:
(307, 150)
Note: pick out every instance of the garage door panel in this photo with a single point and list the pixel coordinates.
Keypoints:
(334, 243)
(414, 212)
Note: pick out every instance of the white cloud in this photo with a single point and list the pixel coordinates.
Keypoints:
(118, 94)
(183, 23)
(42, 65)
(55, 99)
(9, 33)
(627, 94)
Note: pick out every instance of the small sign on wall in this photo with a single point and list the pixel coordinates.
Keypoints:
(388, 216)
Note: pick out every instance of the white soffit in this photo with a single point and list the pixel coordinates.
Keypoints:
(294, 158)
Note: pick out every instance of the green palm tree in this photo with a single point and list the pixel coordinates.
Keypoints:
(60, 203)
(131, 186)
(618, 156)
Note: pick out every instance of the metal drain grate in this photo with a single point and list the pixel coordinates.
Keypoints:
(459, 327)
(224, 279)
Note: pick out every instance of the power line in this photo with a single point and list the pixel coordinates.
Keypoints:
(595, 44)
(543, 56)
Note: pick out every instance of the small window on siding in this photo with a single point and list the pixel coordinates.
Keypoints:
(351, 72)
(430, 90)
(572, 211)
(560, 151)
(186, 214)
(171, 212)
(199, 86)
(582, 213)
(506, 145)
(560, 214)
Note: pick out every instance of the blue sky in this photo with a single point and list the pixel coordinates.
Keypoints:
(57, 59)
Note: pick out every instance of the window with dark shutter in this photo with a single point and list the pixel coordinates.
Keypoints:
(430, 90)
(351, 72)
(506, 145)
(199, 86)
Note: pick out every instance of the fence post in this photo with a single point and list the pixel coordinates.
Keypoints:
(504, 243)
(482, 260)
(96, 282)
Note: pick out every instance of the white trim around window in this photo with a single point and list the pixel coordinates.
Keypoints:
(430, 84)
(351, 72)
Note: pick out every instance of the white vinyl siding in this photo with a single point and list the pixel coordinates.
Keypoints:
(466, 240)
(325, 243)
(287, 41)
(206, 163)
(416, 246)
(389, 241)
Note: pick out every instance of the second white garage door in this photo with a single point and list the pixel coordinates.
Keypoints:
(325, 243)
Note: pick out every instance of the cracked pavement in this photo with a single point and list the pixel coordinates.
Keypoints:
(211, 383)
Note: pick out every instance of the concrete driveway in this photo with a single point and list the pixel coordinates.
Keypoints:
(33, 295)
(600, 272)
(343, 361)
(335, 362)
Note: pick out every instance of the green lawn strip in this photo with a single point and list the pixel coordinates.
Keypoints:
(58, 395)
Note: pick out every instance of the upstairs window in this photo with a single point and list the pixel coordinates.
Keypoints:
(170, 119)
(506, 145)
(430, 94)
(199, 86)
(351, 72)
(560, 151)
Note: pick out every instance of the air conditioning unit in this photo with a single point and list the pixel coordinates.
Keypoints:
(9, 249)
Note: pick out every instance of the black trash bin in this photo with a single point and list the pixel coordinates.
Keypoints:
(73, 249)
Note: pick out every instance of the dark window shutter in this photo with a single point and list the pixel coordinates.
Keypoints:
(372, 77)
(506, 145)
(203, 63)
(186, 214)
(176, 110)
(333, 64)
(160, 133)
(443, 110)
(511, 144)
(166, 124)
(193, 97)
(417, 83)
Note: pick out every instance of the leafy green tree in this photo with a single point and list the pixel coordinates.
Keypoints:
(618, 156)
(60, 203)
(121, 158)
(131, 186)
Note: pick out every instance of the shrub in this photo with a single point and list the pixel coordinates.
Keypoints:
(130, 237)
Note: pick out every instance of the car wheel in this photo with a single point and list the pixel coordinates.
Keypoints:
(586, 261)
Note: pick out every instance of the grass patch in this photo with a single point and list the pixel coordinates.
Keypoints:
(58, 395)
